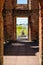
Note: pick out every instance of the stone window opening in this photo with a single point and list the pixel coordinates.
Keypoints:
(22, 1)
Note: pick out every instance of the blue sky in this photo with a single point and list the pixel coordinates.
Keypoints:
(22, 20)
(21, 1)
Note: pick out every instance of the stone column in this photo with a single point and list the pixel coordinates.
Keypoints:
(14, 28)
(29, 29)
(42, 33)
(1, 32)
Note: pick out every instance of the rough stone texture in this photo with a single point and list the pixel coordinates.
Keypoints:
(35, 20)
(42, 24)
(8, 26)
(34, 28)
(1, 32)
(42, 34)
(34, 4)
(8, 4)
(14, 28)
(22, 7)
(41, 3)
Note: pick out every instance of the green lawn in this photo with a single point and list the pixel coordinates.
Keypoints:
(19, 29)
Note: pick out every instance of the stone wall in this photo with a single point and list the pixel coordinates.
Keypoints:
(42, 33)
(35, 20)
(1, 32)
(8, 26)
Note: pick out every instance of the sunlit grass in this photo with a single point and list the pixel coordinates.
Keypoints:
(19, 29)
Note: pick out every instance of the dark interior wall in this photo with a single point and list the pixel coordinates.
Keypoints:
(9, 23)
(8, 20)
(8, 26)
(35, 19)
(34, 26)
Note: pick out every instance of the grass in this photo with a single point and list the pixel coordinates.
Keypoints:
(19, 29)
